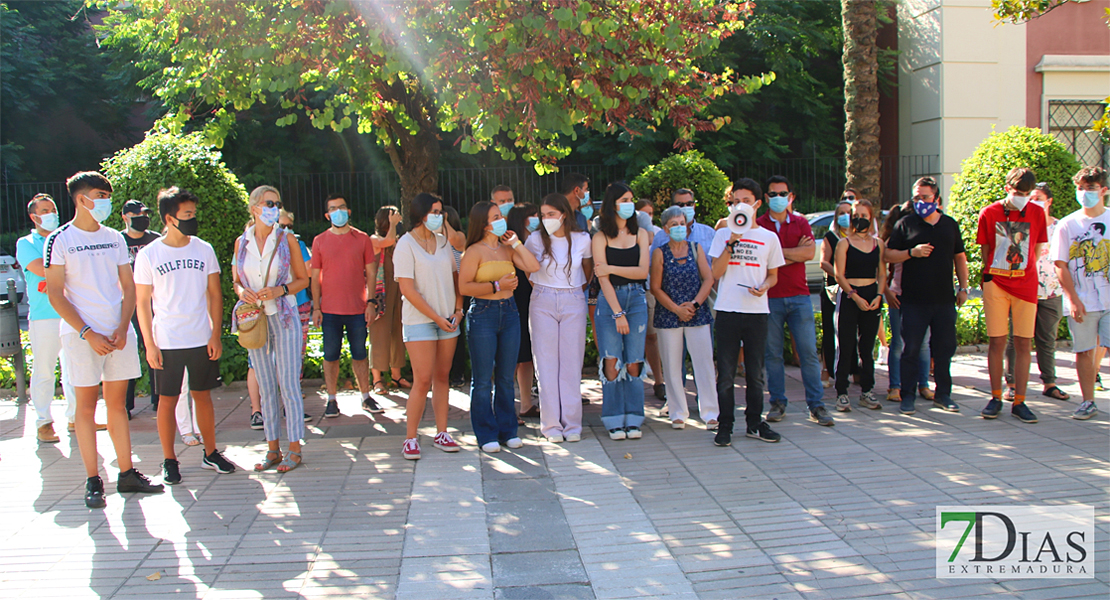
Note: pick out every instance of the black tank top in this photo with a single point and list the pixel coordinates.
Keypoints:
(861, 265)
(623, 257)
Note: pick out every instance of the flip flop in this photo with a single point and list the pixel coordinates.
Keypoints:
(288, 464)
(269, 463)
(404, 383)
(1057, 393)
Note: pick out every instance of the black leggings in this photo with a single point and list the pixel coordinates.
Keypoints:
(856, 331)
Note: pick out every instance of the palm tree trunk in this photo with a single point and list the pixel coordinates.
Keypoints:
(861, 98)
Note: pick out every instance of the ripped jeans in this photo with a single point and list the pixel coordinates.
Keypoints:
(622, 398)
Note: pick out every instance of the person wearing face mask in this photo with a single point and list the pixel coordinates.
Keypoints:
(89, 282)
(929, 246)
(1012, 234)
(1081, 251)
(344, 272)
(43, 321)
(861, 274)
(524, 219)
(557, 315)
(136, 220)
(387, 349)
(576, 187)
(838, 230)
(488, 274)
(178, 276)
(502, 196)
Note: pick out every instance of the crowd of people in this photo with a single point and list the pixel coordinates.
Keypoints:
(525, 282)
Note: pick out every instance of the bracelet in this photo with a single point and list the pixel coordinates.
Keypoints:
(851, 292)
(285, 289)
(619, 315)
(517, 244)
(317, 309)
(84, 330)
(496, 287)
(373, 301)
(964, 290)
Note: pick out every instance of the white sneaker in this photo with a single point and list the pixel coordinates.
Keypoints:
(556, 438)
(574, 437)
(884, 352)
(491, 447)
(514, 443)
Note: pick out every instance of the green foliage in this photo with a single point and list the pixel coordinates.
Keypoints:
(163, 160)
(687, 170)
(982, 180)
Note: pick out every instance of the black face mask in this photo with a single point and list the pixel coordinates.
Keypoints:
(187, 226)
(140, 222)
(861, 224)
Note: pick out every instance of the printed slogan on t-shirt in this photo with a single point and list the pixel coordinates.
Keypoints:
(1011, 249)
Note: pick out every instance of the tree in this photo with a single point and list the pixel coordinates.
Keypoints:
(861, 96)
(515, 77)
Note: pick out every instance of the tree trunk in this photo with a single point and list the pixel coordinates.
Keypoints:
(415, 157)
(861, 98)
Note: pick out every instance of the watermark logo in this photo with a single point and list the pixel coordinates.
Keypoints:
(1015, 542)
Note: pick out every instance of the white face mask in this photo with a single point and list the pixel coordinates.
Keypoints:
(552, 225)
(1019, 201)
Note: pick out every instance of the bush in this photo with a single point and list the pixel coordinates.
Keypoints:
(983, 177)
(687, 170)
(163, 160)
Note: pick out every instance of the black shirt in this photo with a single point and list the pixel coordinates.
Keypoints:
(831, 239)
(136, 244)
(928, 280)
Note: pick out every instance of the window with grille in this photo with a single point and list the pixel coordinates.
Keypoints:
(1070, 122)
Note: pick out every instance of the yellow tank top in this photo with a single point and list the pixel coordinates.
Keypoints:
(493, 270)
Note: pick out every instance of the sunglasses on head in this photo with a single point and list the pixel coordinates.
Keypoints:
(779, 194)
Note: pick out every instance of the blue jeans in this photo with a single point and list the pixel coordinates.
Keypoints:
(493, 335)
(623, 397)
(795, 312)
(332, 327)
(894, 358)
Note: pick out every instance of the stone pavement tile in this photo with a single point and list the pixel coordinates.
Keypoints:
(570, 591)
(537, 568)
(779, 591)
(529, 525)
(507, 490)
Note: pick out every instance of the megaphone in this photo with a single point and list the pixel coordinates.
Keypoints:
(740, 218)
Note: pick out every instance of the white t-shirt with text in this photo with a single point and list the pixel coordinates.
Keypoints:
(92, 260)
(1084, 243)
(755, 253)
(179, 281)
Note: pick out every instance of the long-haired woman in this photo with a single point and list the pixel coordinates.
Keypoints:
(431, 313)
(557, 315)
(861, 274)
(523, 220)
(387, 348)
(488, 275)
(621, 250)
(269, 269)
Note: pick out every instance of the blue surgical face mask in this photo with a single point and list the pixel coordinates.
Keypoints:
(433, 222)
(625, 210)
(102, 207)
(677, 233)
(585, 198)
(339, 217)
(270, 215)
(779, 204)
(506, 207)
(1087, 198)
(500, 226)
(49, 221)
(587, 211)
(844, 220)
(533, 223)
(688, 211)
(924, 209)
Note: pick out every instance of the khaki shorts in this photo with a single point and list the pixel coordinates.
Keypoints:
(651, 313)
(998, 305)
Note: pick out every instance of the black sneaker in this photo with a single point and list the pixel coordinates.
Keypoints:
(371, 406)
(945, 404)
(332, 409)
(171, 471)
(256, 420)
(991, 410)
(777, 412)
(1022, 412)
(217, 463)
(134, 481)
(723, 437)
(94, 492)
(821, 416)
(764, 433)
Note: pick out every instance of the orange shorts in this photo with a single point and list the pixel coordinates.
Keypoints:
(998, 304)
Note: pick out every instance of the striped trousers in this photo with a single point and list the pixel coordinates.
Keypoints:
(277, 366)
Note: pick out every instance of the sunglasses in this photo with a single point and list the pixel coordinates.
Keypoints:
(271, 203)
(849, 198)
(690, 203)
(779, 194)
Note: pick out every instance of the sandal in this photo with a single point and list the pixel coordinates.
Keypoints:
(288, 464)
(1056, 393)
(269, 463)
(379, 387)
(404, 383)
(191, 439)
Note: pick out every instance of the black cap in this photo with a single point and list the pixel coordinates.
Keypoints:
(134, 207)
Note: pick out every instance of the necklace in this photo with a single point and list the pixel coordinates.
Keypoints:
(494, 247)
(424, 241)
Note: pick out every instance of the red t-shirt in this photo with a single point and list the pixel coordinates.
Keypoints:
(792, 276)
(342, 260)
(1008, 237)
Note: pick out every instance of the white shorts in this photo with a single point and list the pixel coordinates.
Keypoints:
(1093, 331)
(86, 368)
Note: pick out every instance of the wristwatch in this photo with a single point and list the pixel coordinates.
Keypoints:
(373, 301)
(696, 304)
(285, 289)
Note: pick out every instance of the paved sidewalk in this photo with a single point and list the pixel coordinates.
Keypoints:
(841, 512)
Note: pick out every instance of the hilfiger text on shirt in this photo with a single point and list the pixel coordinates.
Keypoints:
(181, 263)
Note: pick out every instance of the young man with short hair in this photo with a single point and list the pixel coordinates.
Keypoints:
(344, 270)
(136, 224)
(88, 279)
(1012, 234)
(1081, 249)
(179, 276)
(502, 196)
(745, 267)
(576, 187)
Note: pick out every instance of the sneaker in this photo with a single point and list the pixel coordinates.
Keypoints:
(712, 425)
(1022, 412)
(633, 433)
(217, 463)
(411, 449)
(884, 353)
(1086, 410)
(777, 412)
(573, 437)
(906, 406)
(555, 438)
(665, 411)
(444, 442)
(617, 434)
(1098, 383)
(94, 492)
(491, 447)
(842, 403)
(134, 481)
(680, 424)
(332, 410)
(514, 442)
(371, 406)
(256, 420)
(171, 471)
(821, 416)
(307, 417)
(925, 392)
(46, 434)
(764, 433)
(946, 404)
(723, 438)
(991, 410)
(867, 400)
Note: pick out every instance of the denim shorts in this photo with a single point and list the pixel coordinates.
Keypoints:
(425, 332)
(333, 326)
